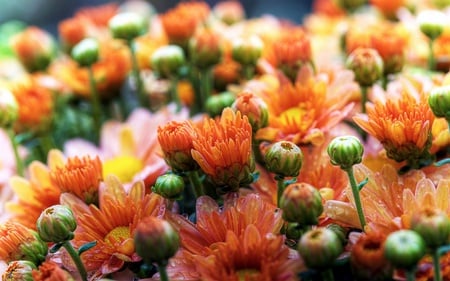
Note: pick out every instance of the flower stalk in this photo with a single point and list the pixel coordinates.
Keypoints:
(95, 99)
(163, 272)
(356, 197)
(76, 259)
(19, 163)
(137, 77)
(196, 183)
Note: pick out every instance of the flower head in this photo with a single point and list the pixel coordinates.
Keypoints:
(253, 107)
(9, 109)
(205, 48)
(19, 270)
(50, 271)
(56, 224)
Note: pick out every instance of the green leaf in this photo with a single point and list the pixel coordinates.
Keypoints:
(86, 247)
(55, 248)
(362, 184)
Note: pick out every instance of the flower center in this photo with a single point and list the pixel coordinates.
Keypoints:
(248, 274)
(120, 239)
(124, 167)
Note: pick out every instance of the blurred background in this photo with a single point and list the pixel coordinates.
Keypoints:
(47, 13)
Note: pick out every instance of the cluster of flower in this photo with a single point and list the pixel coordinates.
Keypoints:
(197, 144)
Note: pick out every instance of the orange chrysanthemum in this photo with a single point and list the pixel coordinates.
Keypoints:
(388, 7)
(79, 176)
(304, 111)
(225, 73)
(34, 194)
(223, 149)
(242, 238)
(50, 271)
(110, 71)
(403, 125)
(35, 104)
(112, 224)
(327, 7)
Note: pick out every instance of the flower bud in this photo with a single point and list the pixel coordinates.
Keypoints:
(19, 270)
(127, 26)
(350, 5)
(433, 225)
(85, 53)
(216, 103)
(247, 51)
(284, 158)
(301, 203)
(229, 12)
(367, 65)
(439, 101)
(49, 270)
(167, 60)
(9, 109)
(319, 248)
(254, 108)
(404, 248)
(156, 240)
(169, 186)
(34, 47)
(345, 151)
(56, 224)
(205, 49)
(432, 23)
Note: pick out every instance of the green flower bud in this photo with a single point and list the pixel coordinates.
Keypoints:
(156, 241)
(439, 101)
(19, 270)
(85, 53)
(247, 51)
(284, 158)
(319, 248)
(127, 26)
(404, 248)
(350, 5)
(345, 151)
(216, 103)
(169, 186)
(433, 225)
(254, 108)
(441, 4)
(205, 49)
(431, 23)
(56, 224)
(167, 60)
(301, 203)
(367, 64)
(9, 109)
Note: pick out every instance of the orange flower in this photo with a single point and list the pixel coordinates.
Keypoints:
(34, 194)
(327, 7)
(388, 7)
(112, 224)
(50, 271)
(402, 124)
(109, 72)
(35, 104)
(223, 149)
(80, 177)
(225, 73)
(144, 48)
(73, 30)
(241, 238)
(303, 112)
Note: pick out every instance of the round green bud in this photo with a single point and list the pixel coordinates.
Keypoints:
(345, 151)
(439, 101)
(367, 65)
(350, 5)
(433, 225)
(432, 23)
(301, 203)
(85, 53)
(247, 51)
(319, 248)
(216, 103)
(127, 26)
(284, 158)
(404, 248)
(19, 270)
(56, 224)
(156, 240)
(9, 109)
(205, 49)
(169, 186)
(167, 60)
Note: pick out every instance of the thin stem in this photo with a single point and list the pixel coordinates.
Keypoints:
(196, 183)
(356, 196)
(163, 272)
(431, 60)
(76, 259)
(174, 93)
(280, 188)
(19, 163)
(410, 274)
(95, 99)
(137, 78)
(363, 98)
(437, 265)
(205, 81)
(327, 275)
(248, 71)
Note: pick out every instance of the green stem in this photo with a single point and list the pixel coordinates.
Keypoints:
(205, 81)
(76, 259)
(327, 275)
(162, 272)
(19, 163)
(410, 274)
(95, 99)
(363, 98)
(174, 93)
(196, 183)
(356, 197)
(431, 60)
(248, 71)
(137, 78)
(280, 188)
(437, 265)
